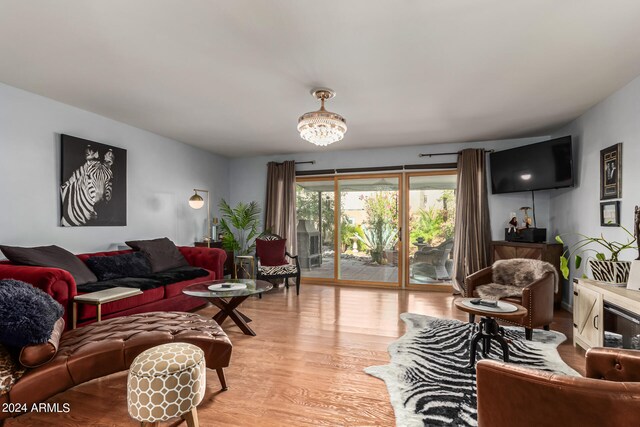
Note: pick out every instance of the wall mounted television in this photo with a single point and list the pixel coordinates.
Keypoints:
(541, 166)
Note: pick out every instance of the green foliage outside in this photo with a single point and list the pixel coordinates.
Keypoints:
(307, 209)
(381, 227)
(436, 224)
(349, 231)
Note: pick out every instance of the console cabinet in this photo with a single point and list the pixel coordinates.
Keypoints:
(595, 307)
(549, 252)
(587, 316)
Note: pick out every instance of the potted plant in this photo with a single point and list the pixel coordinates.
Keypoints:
(611, 269)
(239, 227)
(378, 238)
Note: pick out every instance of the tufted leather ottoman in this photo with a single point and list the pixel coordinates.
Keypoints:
(111, 346)
(166, 381)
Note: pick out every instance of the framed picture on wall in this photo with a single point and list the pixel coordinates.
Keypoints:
(610, 214)
(93, 185)
(611, 172)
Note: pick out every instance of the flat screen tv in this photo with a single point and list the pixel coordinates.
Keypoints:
(540, 166)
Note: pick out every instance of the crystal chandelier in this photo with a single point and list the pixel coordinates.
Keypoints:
(322, 127)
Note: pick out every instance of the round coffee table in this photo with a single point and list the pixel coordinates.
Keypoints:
(489, 328)
(228, 300)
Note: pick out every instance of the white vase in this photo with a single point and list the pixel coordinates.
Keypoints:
(615, 272)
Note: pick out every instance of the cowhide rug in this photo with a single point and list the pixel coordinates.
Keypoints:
(427, 380)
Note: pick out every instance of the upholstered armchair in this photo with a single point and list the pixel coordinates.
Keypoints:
(511, 395)
(434, 261)
(272, 262)
(529, 282)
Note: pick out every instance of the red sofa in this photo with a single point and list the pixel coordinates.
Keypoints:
(62, 287)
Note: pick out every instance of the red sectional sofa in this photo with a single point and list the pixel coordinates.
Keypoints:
(62, 287)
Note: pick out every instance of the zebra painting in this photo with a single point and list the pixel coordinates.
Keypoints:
(93, 190)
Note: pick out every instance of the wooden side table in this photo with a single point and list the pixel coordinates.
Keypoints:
(228, 263)
(242, 260)
(101, 297)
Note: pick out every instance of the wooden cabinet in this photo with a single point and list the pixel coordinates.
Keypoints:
(228, 264)
(587, 316)
(549, 252)
(596, 309)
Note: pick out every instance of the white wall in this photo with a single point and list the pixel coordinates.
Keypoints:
(161, 176)
(616, 119)
(248, 175)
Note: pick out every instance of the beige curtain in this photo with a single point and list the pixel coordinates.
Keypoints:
(280, 209)
(472, 228)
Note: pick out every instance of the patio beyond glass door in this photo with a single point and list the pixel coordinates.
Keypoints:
(369, 244)
(431, 205)
(315, 209)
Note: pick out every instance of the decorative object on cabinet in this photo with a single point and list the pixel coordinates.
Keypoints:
(610, 214)
(549, 252)
(610, 270)
(611, 172)
(94, 183)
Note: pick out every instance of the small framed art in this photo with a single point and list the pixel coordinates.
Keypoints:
(610, 214)
(611, 172)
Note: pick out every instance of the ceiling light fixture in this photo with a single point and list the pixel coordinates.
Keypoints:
(322, 127)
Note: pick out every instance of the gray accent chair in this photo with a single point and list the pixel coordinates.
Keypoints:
(434, 262)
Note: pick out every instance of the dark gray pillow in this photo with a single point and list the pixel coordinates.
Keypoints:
(117, 266)
(50, 256)
(28, 314)
(162, 253)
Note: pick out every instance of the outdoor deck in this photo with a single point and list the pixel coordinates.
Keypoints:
(359, 270)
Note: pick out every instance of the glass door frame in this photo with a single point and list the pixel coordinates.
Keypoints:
(324, 280)
(403, 281)
(336, 226)
(441, 287)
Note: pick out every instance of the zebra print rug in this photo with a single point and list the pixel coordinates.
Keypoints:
(426, 379)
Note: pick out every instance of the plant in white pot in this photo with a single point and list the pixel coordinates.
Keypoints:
(605, 269)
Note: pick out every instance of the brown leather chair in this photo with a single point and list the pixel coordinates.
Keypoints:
(510, 395)
(537, 297)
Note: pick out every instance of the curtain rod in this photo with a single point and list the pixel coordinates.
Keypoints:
(308, 162)
(377, 169)
(447, 154)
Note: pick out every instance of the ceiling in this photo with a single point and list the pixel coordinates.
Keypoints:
(233, 76)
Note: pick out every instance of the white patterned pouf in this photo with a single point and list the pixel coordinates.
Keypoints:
(167, 381)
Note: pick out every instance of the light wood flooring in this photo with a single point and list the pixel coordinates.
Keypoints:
(304, 367)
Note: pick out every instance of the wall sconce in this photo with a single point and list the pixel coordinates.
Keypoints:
(197, 202)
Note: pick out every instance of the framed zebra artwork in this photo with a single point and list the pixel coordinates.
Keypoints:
(93, 186)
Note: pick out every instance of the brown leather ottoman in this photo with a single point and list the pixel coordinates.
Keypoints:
(110, 346)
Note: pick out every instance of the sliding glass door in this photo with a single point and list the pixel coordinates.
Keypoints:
(315, 204)
(378, 229)
(430, 217)
(369, 249)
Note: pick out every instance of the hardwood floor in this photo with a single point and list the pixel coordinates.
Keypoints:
(304, 367)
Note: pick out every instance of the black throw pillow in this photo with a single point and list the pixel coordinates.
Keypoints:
(162, 253)
(50, 256)
(28, 314)
(117, 266)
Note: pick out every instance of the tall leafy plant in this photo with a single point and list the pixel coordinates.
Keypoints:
(239, 227)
